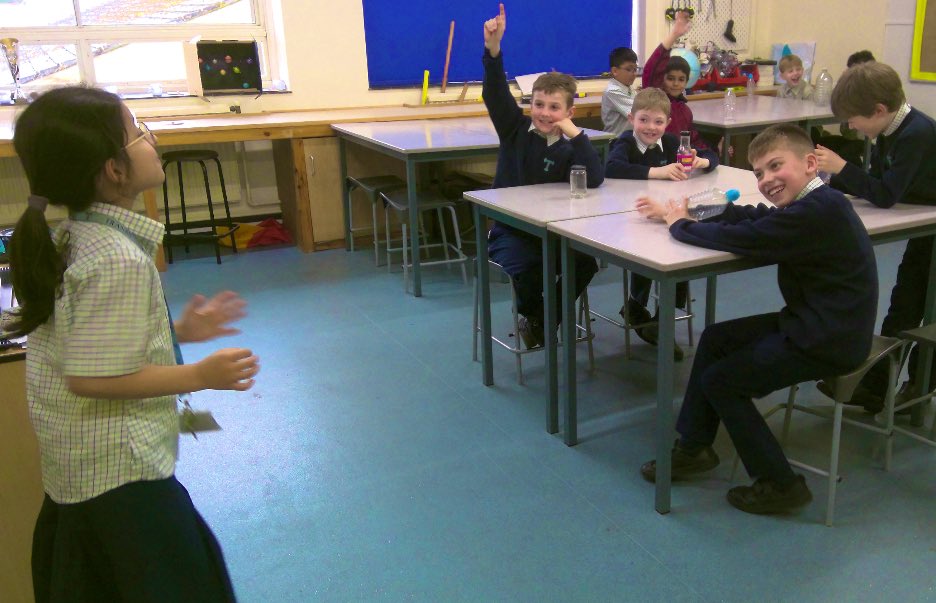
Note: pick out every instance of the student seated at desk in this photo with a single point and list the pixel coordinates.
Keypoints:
(645, 153)
(794, 86)
(533, 150)
(618, 97)
(671, 74)
(848, 144)
(828, 277)
(903, 170)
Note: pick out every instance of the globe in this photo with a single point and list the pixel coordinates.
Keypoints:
(694, 66)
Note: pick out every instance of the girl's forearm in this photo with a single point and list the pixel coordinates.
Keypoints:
(151, 381)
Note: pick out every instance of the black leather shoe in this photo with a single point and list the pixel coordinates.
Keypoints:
(766, 497)
(685, 465)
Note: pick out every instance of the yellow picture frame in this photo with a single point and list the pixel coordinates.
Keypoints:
(923, 56)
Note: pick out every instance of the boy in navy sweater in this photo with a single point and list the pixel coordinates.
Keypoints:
(903, 170)
(533, 150)
(828, 277)
(649, 152)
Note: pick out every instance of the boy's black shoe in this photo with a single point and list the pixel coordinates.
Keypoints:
(870, 401)
(765, 496)
(685, 464)
(634, 313)
(531, 332)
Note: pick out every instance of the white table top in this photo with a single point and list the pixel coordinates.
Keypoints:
(634, 237)
(426, 135)
(540, 204)
(757, 111)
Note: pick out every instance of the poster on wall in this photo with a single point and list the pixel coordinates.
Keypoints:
(923, 59)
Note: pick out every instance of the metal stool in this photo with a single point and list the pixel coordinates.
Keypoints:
(625, 324)
(199, 156)
(428, 201)
(923, 337)
(372, 186)
(843, 388)
(516, 349)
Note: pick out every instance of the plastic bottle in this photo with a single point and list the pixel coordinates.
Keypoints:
(750, 87)
(684, 152)
(823, 92)
(730, 104)
(711, 202)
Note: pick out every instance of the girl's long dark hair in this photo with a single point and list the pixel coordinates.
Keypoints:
(63, 140)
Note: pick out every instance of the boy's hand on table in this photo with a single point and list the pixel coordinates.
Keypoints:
(673, 171)
(494, 32)
(676, 210)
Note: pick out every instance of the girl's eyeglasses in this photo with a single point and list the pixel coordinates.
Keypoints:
(145, 134)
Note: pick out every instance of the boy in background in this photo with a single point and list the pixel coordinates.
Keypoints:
(849, 145)
(794, 85)
(903, 170)
(533, 150)
(649, 152)
(618, 97)
(828, 277)
(671, 74)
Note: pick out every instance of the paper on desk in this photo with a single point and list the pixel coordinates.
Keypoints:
(525, 82)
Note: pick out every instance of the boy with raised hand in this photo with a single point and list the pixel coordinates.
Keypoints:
(903, 170)
(828, 278)
(618, 97)
(533, 150)
(671, 74)
(649, 152)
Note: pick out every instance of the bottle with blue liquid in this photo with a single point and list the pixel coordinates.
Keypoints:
(711, 202)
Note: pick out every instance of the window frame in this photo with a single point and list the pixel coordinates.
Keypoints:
(266, 31)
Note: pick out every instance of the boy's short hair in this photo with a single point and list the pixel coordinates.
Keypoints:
(557, 82)
(651, 99)
(621, 55)
(678, 64)
(857, 58)
(862, 87)
(789, 61)
(788, 136)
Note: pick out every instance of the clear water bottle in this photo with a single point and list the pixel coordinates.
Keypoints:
(731, 102)
(684, 152)
(750, 86)
(711, 202)
(578, 181)
(823, 92)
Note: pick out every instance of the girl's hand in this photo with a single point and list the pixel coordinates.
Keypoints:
(204, 319)
(230, 368)
(699, 162)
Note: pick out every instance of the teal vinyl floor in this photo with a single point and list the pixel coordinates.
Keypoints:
(369, 463)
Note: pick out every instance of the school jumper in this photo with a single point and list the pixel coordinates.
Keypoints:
(632, 160)
(525, 156)
(902, 170)
(828, 278)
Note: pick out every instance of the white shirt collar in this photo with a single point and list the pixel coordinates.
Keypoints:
(643, 147)
(551, 139)
(810, 187)
(902, 113)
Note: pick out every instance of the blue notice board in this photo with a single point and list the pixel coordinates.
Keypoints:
(405, 38)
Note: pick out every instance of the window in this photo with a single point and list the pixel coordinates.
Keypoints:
(134, 47)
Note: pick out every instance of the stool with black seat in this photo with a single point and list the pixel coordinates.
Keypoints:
(583, 324)
(194, 232)
(427, 201)
(371, 186)
(883, 349)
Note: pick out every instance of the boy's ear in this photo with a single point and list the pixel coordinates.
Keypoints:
(668, 120)
(571, 110)
(812, 163)
(630, 117)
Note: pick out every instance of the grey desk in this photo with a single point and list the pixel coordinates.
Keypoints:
(421, 141)
(645, 246)
(531, 208)
(754, 113)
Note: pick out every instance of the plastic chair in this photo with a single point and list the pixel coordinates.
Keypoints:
(843, 388)
(516, 347)
(190, 231)
(428, 201)
(372, 186)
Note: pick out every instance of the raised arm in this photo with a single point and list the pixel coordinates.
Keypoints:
(505, 114)
(655, 67)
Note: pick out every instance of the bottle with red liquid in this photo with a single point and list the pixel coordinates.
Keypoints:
(684, 153)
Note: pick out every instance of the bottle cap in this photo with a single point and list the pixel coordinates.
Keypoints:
(732, 194)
